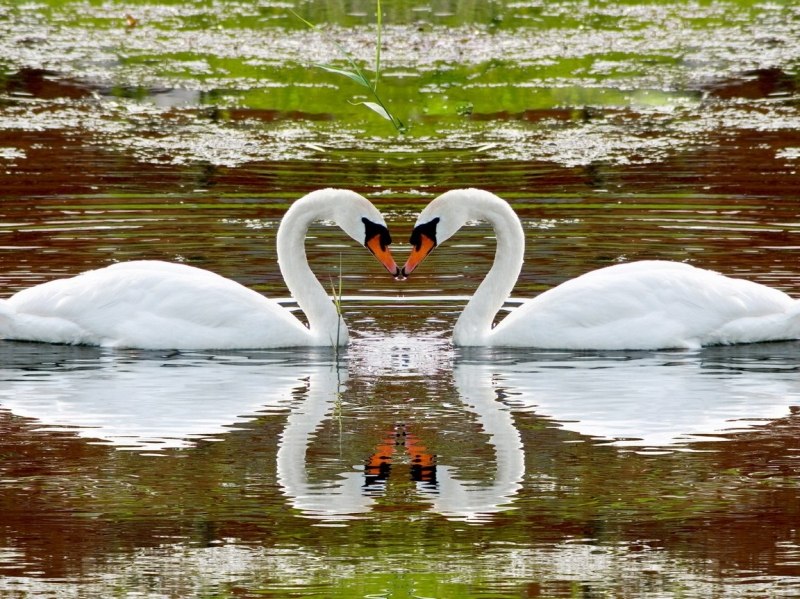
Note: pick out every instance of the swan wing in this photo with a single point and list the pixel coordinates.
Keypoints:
(651, 305)
(151, 305)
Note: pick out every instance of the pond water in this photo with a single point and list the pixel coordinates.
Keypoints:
(401, 466)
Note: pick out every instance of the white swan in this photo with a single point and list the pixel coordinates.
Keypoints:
(162, 305)
(640, 305)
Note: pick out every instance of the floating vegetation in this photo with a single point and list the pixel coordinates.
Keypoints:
(569, 83)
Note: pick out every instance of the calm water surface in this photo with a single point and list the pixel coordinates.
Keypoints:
(401, 467)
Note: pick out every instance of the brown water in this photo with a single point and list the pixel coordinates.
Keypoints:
(509, 473)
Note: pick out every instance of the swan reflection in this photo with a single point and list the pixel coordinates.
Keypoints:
(137, 400)
(337, 457)
(342, 497)
(149, 400)
(470, 499)
(648, 398)
(355, 488)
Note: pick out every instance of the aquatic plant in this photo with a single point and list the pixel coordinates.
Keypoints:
(358, 75)
(337, 301)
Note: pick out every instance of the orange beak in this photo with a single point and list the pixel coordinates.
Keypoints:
(419, 253)
(383, 254)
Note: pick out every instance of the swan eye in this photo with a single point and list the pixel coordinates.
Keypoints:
(425, 229)
(372, 230)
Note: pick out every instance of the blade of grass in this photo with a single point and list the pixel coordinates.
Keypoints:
(337, 302)
(349, 74)
(357, 74)
(378, 49)
(356, 69)
(377, 108)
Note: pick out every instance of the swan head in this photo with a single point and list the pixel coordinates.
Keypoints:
(441, 219)
(359, 218)
(377, 240)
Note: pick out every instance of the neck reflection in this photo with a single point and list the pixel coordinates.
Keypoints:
(408, 450)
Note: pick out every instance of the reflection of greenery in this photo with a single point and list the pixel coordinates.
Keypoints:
(439, 95)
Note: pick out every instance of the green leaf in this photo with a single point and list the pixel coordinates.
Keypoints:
(308, 23)
(379, 109)
(357, 77)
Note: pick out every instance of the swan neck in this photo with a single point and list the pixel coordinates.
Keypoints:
(324, 323)
(474, 325)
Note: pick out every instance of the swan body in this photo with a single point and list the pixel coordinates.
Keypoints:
(649, 304)
(162, 305)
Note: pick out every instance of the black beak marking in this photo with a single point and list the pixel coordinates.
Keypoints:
(372, 229)
(428, 229)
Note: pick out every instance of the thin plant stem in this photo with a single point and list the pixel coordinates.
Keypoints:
(357, 73)
(378, 51)
(337, 302)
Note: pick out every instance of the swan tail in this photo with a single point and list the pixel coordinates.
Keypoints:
(6, 319)
(782, 326)
(20, 325)
(794, 315)
(791, 326)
